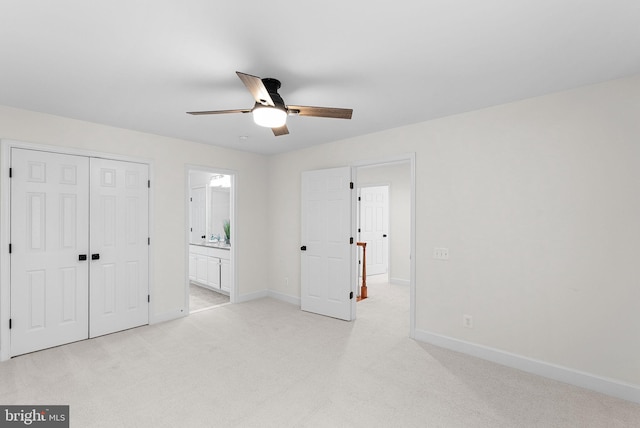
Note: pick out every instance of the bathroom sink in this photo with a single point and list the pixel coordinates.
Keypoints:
(217, 244)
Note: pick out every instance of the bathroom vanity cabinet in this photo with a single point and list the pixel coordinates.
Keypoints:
(209, 266)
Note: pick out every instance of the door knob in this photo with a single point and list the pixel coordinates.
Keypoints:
(82, 257)
(95, 256)
(384, 235)
(303, 248)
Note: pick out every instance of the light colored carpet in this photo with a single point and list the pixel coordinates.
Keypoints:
(201, 298)
(265, 363)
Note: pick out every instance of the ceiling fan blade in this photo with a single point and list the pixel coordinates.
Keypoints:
(256, 87)
(336, 113)
(219, 111)
(283, 130)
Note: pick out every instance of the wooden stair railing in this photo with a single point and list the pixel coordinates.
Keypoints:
(363, 288)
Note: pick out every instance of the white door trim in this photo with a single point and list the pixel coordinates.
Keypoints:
(411, 158)
(5, 224)
(236, 229)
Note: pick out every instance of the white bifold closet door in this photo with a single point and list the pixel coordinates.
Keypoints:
(79, 256)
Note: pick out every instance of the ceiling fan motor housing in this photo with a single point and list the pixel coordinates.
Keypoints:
(272, 86)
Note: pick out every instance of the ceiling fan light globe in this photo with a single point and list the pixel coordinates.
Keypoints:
(269, 117)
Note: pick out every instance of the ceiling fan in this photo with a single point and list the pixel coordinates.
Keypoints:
(270, 110)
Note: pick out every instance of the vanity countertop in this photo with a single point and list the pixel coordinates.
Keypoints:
(212, 245)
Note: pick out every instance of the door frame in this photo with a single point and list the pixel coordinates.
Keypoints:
(233, 198)
(5, 224)
(411, 159)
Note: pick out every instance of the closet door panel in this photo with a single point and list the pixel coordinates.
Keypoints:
(119, 285)
(49, 231)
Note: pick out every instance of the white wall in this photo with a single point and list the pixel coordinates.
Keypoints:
(169, 158)
(397, 176)
(539, 204)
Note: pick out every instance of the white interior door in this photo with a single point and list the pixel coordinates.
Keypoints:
(119, 277)
(198, 214)
(327, 256)
(49, 233)
(374, 227)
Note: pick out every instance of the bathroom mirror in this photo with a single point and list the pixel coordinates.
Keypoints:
(210, 207)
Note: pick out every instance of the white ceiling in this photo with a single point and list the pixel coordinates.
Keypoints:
(142, 64)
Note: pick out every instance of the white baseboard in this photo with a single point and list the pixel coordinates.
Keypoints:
(284, 297)
(272, 294)
(167, 316)
(252, 296)
(398, 281)
(600, 384)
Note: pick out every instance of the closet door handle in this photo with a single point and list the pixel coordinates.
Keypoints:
(82, 257)
(95, 256)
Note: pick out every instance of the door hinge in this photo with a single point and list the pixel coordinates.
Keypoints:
(351, 240)
(351, 185)
(351, 295)
(148, 298)
(148, 241)
(9, 248)
(149, 184)
(10, 323)
(359, 199)
(10, 172)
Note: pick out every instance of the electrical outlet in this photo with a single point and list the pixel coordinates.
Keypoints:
(467, 321)
(440, 253)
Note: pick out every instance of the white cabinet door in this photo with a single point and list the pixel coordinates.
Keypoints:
(213, 272)
(225, 274)
(326, 264)
(49, 231)
(201, 269)
(119, 281)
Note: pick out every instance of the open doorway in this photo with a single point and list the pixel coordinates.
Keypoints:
(385, 221)
(211, 227)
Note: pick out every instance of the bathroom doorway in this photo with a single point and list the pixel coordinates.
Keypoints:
(210, 230)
